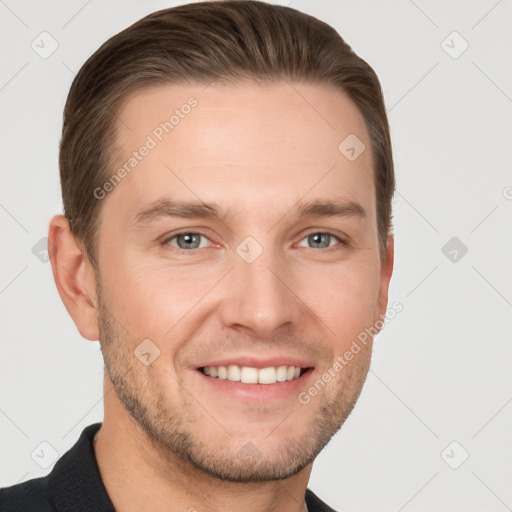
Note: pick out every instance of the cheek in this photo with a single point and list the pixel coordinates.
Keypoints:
(154, 301)
(344, 298)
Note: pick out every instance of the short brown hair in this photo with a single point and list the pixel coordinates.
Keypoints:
(198, 43)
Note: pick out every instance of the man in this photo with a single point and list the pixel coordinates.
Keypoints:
(227, 179)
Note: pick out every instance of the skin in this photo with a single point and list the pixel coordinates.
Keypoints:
(170, 441)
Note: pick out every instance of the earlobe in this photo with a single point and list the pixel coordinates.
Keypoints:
(385, 277)
(74, 277)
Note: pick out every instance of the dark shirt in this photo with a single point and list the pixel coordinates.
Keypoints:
(75, 485)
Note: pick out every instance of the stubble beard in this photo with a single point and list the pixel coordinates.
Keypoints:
(171, 434)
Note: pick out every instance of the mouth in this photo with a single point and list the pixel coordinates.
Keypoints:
(247, 378)
(253, 375)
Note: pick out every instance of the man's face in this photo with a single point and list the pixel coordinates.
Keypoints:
(251, 286)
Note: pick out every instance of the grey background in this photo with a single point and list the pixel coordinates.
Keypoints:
(441, 369)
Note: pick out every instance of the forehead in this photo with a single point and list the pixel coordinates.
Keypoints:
(247, 143)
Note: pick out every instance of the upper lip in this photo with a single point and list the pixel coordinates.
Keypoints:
(256, 362)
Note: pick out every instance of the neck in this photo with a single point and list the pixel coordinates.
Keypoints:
(140, 475)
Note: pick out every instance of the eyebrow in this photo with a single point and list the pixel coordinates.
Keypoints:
(165, 207)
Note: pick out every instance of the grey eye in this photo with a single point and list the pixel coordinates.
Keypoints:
(319, 240)
(187, 240)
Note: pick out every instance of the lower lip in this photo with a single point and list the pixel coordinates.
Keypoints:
(258, 392)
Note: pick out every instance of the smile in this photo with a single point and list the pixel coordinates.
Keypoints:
(251, 375)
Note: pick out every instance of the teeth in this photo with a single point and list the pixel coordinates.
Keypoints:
(250, 375)
(234, 372)
(281, 373)
(267, 375)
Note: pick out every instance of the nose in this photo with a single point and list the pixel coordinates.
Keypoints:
(259, 297)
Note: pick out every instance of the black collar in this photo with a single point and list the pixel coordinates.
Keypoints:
(75, 482)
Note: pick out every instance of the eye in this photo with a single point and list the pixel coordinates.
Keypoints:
(186, 241)
(321, 240)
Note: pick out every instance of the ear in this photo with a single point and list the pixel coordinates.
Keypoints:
(74, 277)
(385, 276)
